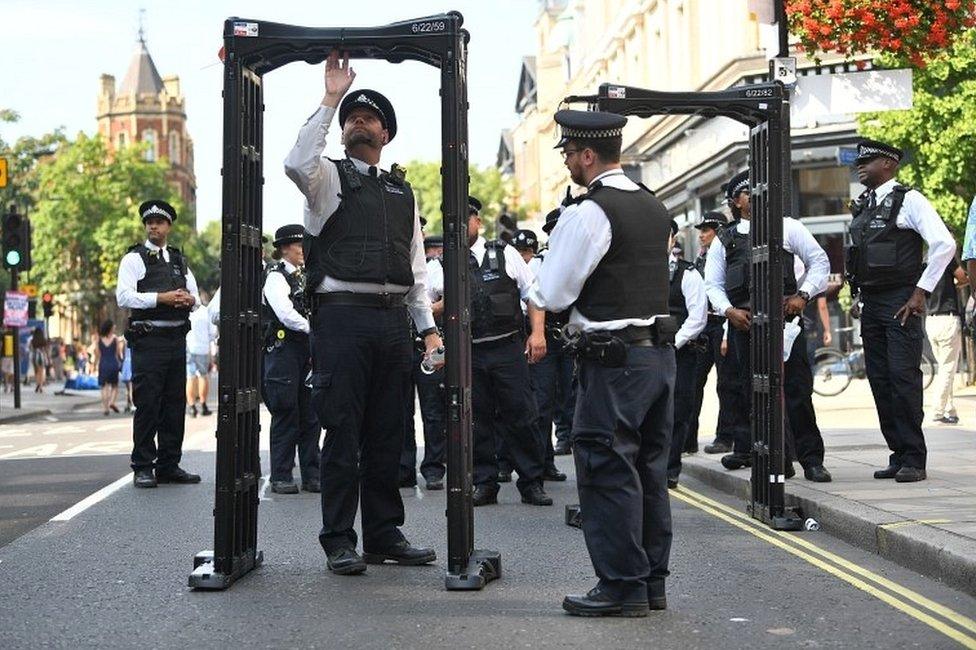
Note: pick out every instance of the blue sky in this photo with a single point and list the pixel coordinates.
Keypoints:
(56, 50)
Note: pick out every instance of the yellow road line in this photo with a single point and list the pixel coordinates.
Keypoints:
(964, 639)
(915, 597)
(914, 522)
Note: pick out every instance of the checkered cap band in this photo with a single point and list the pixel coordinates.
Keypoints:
(155, 209)
(875, 151)
(740, 186)
(591, 134)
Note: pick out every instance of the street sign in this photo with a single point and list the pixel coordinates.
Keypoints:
(15, 309)
(824, 97)
(784, 69)
(3, 172)
(846, 156)
(29, 289)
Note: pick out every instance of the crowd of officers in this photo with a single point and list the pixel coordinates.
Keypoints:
(607, 332)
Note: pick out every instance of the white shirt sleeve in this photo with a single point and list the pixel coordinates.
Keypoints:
(798, 240)
(518, 270)
(919, 215)
(715, 277)
(418, 302)
(317, 178)
(277, 294)
(576, 245)
(435, 280)
(191, 287)
(693, 289)
(213, 309)
(131, 270)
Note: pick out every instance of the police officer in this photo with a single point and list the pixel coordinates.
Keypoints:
(608, 262)
(155, 284)
(502, 399)
(727, 281)
(688, 305)
(287, 362)
(364, 261)
(891, 222)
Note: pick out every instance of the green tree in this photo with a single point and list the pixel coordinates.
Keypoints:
(203, 255)
(939, 132)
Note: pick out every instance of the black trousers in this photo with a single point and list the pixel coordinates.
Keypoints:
(360, 361)
(503, 403)
(159, 395)
(293, 422)
(804, 441)
(686, 361)
(552, 379)
(892, 356)
(709, 356)
(430, 392)
(621, 438)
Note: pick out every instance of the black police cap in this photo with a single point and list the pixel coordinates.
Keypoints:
(474, 205)
(526, 240)
(739, 183)
(157, 208)
(374, 101)
(868, 149)
(712, 219)
(432, 241)
(551, 220)
(289, 234)
(588, 125)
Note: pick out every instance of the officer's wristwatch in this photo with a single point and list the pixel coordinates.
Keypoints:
(804, 295)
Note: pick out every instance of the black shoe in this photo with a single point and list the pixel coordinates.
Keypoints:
(504, 477)
(656, 598)
(910, 474)
(887, 472)
(400, 553)
(408, 482)
(949, 419)
(553, 474)
(736, 461)
(789, 471)
(562, 448)
(484, 496)
(176, 475)
(435, 483)
(817, 474)
(312, 486)
(193, 410)
(534, 495)
(345, 562)
(204, 410)
(672, 482)
(718, 446)
(284, 487)
(598, 603)
(143, 478)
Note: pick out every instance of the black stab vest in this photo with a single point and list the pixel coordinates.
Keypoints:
(738, 266)
(886, 256)
(161, 277)
(496, 304)
(677, 306)
(368, 237)
(271, 324)
(631, 281)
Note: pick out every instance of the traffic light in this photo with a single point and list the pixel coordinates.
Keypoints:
(16, 241)
(47, 304)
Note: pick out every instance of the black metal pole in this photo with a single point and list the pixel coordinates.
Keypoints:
(783, 28)
(16, 350)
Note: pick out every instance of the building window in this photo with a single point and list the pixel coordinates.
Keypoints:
(121, 141)
(149, 137)
(823, 191)
(174, 148)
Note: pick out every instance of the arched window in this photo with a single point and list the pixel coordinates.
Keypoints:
(149, 137)
(174, 148)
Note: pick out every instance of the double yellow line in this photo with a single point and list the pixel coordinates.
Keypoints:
(952, 624)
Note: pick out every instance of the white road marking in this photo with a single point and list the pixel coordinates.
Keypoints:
(263, 492)
(114, 425)
(102, 447)
(14, 434)
(46, 449)
(92, 499)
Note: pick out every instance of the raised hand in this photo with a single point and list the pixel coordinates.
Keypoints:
(338, 78)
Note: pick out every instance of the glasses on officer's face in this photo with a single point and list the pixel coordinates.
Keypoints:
(566, 153)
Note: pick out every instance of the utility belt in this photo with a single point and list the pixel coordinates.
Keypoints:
(348, 298)
(609, 348)
(715, 319)
(139, 331)
(279, 336)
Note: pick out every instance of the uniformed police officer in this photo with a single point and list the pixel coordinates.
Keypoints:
(287, 362)
(364, 261)
(688, 305)
(156, 285)
(608, 262)
(891, 222)
(727, 281)
(502, 400)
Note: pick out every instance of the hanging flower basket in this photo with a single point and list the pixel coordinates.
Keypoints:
(911, 30)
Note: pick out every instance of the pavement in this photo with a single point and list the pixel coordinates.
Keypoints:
(47, 403)
(929, 526)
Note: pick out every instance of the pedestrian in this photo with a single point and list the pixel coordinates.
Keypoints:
(943, 326)
(287, 364)
(502, 401)
(688, 305)
(125, 374)
(969, 241)
(108, 360)
(158, 288)
(728, 282)
(198, 360)
(7, 372)
(56, 354)
(364, 261)
(608, 263)
(891, 223)
(39, 358)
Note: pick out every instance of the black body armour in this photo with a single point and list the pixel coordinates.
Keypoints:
(368, 237)
(496, 304)
(273, 328)
(677, 306)
(161, 276)
(883, 256)
(738, 267)
(631, 281)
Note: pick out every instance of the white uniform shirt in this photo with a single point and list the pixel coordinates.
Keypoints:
(131, 270)
(576, 245)
(797, 241)
(201, 333)
(213, 309)
(318, 180)
(693, 289)
(277, 294)
(918, 214)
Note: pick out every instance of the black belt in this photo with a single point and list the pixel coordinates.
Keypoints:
(348, 298)
(715, 318)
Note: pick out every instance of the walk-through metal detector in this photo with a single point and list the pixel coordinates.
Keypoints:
(253, 48)
(765, 109)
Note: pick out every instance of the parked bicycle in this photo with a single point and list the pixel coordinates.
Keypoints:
(834, 369)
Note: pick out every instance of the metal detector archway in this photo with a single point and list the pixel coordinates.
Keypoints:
(253, 48)
(765, 109)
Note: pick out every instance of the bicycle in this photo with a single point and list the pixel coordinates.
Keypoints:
(834, 369)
